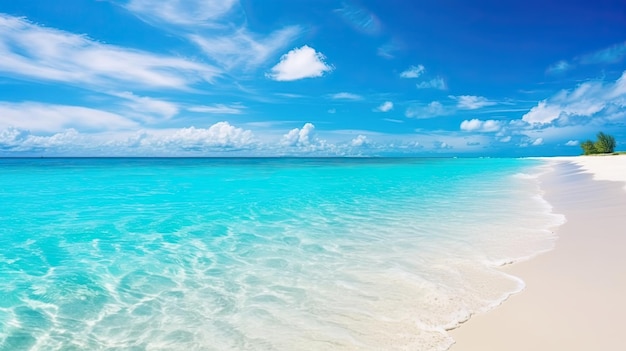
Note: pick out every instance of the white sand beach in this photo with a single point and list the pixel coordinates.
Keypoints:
(574, 295)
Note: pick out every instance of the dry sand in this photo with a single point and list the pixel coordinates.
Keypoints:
(575, 296)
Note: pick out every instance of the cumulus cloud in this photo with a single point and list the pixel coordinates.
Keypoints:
(572, 143)
(435, 83)
(413, 72)
(300, 136)
(35, 52)
(346, 96)
(359, 141)
(299, 63)
(476, 125)
(385, 107)
(470, 102)
(221, 135)
(537, 142)
(590, 100)
(16, 140)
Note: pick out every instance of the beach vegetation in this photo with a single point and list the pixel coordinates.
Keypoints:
(604, 144)
(588, 147)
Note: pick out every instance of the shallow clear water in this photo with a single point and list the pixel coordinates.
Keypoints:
(259, 254)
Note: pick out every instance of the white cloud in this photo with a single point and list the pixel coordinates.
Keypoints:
(359, 141)
(149, 106)
(413, 72)
(300, 137)
(221, 135)
(435, 83)
(16, 140)
(219, 109)
(572, 143)
(299, 63)
(181, 12)
(53, 118)
(244, 48)
(346, 96)
(610, 55)
(590, 100)
(360, 19)
(505, 139)
(559, 67)
(385, 107)
(217, 138)
(537, 142)
(393, 120)
(211, 25)
(476, 125)
(433, 109)
(31, 51)
(470, 102)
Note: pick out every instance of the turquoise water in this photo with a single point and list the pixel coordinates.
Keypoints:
(259, 254)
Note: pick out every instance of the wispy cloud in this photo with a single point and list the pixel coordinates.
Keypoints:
(300, 63)
(218, 27)
(187, 12)
(151, 107)
(413, 72)
(219, 109)
(360, 19)
(613, 54)
(346, 96)
(435, 83)
(384, 107)
(559, 67)
(243, 48)
(393, 120)
(610, 55)
(54, 118)
(471, 102)
(387, 50)
(572, 143)
(31, 51)
(433, 109)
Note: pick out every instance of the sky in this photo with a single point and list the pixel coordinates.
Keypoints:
(310, 77)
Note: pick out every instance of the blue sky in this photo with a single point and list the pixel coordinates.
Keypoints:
(310, 77)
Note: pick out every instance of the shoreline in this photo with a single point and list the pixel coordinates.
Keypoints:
(573, 298)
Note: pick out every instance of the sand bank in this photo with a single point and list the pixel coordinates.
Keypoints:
(575, 295)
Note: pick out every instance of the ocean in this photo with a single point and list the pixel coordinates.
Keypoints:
(260, 253)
